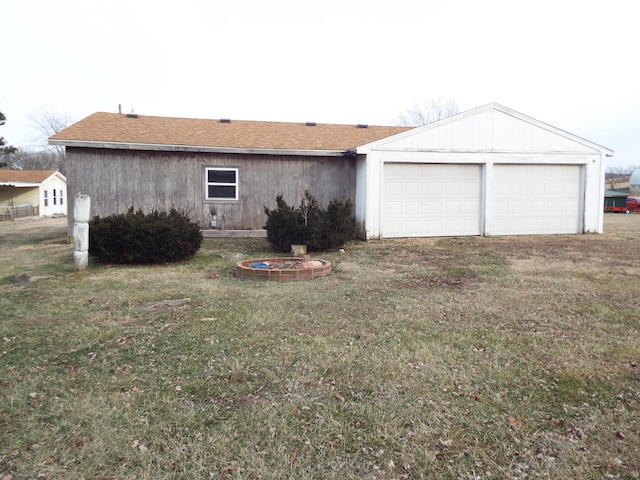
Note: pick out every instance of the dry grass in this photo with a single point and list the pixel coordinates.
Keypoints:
(466, 358)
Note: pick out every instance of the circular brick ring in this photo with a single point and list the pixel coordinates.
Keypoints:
(281, 269)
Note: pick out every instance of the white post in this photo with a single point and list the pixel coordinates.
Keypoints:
(81, 214)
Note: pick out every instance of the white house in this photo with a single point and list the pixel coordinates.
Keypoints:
(25, 193)
(487, 171)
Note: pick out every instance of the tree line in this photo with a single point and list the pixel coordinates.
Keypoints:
(43, 123)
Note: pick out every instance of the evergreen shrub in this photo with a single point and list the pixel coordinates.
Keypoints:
(309, 224)
(139, 238)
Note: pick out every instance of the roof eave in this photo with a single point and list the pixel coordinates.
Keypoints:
(19, 184)
(195, 148)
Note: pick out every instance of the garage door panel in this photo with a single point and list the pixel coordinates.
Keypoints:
(413, 189)
(437, 199)
(413, 208)
(531, 199)
(432, 208)
(394, 188)
(453, 208)
(452, 189)
(434, 188)
(395, 208)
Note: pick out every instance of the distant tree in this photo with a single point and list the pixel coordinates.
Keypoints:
(419, 114)
(614, 176)
(6, 151)
(26, 159)
(44, 123)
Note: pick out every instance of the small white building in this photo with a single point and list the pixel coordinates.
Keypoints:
(28, 193)
(487, 171)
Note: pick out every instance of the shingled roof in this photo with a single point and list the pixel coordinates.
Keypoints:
(25, 176)
(114, 130)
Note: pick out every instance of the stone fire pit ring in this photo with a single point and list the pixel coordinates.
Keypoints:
(283, 268)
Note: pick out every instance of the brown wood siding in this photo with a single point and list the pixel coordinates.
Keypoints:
(118, 179)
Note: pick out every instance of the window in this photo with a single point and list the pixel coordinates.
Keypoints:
(46, 200)
(54, 197)
(222, 183)
(61, 199)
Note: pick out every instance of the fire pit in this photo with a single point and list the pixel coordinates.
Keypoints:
(280, 269)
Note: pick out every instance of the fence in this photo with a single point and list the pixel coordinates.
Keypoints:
(10, 212)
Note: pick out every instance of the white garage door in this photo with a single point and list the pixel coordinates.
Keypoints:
(532, 199)
(430, 200)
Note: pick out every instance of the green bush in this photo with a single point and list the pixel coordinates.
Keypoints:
(139, 238)
(309, 224)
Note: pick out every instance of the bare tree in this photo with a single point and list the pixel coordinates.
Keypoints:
(614, 176)
(25, 159)
(44, 123)
(427, 112)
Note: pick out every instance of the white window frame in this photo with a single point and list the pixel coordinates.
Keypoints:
(221, 184)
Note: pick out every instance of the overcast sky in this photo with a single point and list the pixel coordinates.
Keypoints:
(570, 63)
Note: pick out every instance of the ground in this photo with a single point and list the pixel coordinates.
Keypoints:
(456, 358)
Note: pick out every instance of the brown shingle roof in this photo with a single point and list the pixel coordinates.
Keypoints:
(25, 176)
(115, 128)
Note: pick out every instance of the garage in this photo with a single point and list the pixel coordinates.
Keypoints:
(431, 200)
(536, 199)
(487, 171)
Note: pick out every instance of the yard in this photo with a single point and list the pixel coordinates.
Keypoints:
(464, 358)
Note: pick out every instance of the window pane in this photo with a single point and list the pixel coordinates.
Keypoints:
(218, 191)
(221, 176)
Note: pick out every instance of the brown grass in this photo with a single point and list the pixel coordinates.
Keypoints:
(473, 358)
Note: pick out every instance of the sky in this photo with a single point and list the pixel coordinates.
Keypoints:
(569, 63)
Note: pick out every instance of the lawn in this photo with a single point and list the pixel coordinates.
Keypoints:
(465, 358)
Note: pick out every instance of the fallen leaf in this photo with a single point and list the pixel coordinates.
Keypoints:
(620, 435)
(514, 422)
